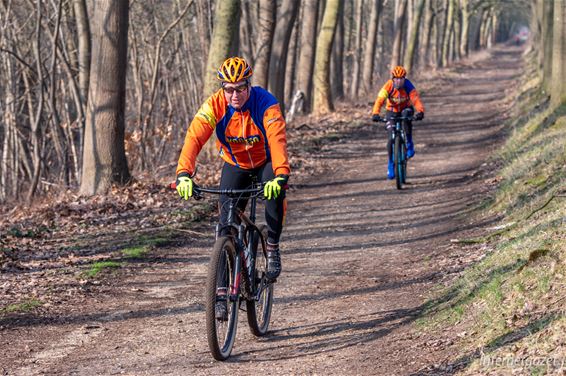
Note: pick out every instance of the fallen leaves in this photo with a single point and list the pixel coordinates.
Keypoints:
(52, 243)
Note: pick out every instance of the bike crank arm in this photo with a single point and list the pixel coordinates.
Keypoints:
(264, 285)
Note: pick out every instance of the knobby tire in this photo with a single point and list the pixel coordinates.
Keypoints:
(221, 334)
(404, 163)
(398, 162)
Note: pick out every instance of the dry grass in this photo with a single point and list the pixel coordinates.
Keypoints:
(512, 301)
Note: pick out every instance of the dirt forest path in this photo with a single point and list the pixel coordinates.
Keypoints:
(359, 258)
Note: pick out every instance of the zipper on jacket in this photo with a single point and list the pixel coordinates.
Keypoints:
(245, 139)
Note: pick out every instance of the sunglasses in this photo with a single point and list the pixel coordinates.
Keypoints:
(239, 89)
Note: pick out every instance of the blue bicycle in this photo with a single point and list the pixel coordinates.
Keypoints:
(399, 145)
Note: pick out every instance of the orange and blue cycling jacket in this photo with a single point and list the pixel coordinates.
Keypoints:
(398, 99)
(246, 138)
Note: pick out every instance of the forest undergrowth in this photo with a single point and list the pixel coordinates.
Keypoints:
(72, 238)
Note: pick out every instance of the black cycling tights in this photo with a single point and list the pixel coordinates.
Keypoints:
(238, 178)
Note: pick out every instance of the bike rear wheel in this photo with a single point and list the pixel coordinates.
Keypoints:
(398, 158)
(259, 307)
(221, 329)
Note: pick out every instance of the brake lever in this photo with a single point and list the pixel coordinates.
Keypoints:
(197, 194)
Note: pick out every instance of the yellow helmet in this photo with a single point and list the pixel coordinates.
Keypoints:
(234, 69)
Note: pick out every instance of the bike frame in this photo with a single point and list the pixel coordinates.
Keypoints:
(399, 131)
(235, 251)
(244, 256)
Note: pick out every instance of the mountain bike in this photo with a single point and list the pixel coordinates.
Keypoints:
(399, 144)
(237, 273)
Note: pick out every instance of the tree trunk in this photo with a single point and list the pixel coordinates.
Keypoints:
(478, 29)
(494, 27)
(31, 112)
(409, 14)
(536, 28)
(322, 94)
(440, 32)
(427, 34)
(370, 47)
(457, 40)
(6, 159)
(446, 34)
(191, 77)
(305, 70)
(337, 63)
(291, 66)
(36, 133)
(264, 42)
(355, 82)
(226, 20)
(488, 29)
(413, 40)
(248, 32)
(84, 49)
(282, 35)
(398, 36)
(465, 28)
(56, 131)
(205, 27)
(558, 95)
(547, 35)
(484, 29)
(9, 93)
(104, 160)
(9, 131)
(450, 45)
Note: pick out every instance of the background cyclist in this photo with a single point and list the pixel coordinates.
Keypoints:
(398, 93)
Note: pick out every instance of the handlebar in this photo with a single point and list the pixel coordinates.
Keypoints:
(407, 118)
(256, 191)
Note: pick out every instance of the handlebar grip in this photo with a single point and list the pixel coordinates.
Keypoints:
(196, 192)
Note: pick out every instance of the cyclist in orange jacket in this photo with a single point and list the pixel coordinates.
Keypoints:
(251, 139)
(398, 93)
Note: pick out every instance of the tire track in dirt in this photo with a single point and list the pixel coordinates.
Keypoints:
(359, 257)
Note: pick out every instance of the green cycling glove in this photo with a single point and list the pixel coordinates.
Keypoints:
(272, 188)
(185, 187)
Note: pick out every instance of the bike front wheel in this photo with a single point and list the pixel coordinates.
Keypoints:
(221, 308)
(260, 304)
(399, 163)
(404, 163)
